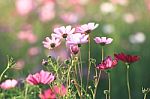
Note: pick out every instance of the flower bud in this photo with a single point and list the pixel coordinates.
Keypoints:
(74, 49)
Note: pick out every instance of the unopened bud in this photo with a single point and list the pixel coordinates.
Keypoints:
(74, 49)
(44, 62)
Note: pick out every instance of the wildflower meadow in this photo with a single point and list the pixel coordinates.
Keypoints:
(74, 49)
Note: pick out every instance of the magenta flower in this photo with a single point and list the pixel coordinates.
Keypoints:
(51, 43)
(77, 39)
(63, 32)
(108, 63)
(86, 28)
(60, 90)
(103, 40)
(127, 58)
(48, 94)
(43, 77)
(8, 84)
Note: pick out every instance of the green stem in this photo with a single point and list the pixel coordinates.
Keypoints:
(98, 76)
(128, 83)
(145, 96)
(109, 86)
(106, 96)
(81, 72)
(26, 92)
(68, 75)
(89, 66)
(3, 72)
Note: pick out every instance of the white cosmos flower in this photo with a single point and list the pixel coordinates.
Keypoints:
(76, 39)
(63, 32)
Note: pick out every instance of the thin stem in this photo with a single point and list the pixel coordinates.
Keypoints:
(26, 92)
(98, 76)
(89, 65)
(128, 83)
(109, 86)
(102, 53)
(106, 96)
(68, 75)
(145, 96)
(81, 71)
(3, 72)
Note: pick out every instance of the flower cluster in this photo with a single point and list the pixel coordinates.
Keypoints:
(65, 80)
(74, 37)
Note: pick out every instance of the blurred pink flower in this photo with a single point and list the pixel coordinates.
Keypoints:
(129, 18)
(19, 64)
(24, 7)
(51, 43)
(60, 90)
(33, 51)
(86, 28)
(121, 2)
(74, 49)
(8, 84)
(43, 77)
(77, 39)
(63, 32)
(107, 63)
(27, 35)
(69, 17)
(47, 94)
(47, 12)
(103, 40)
(147, 3)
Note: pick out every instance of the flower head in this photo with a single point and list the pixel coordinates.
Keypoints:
(103, 40)
(86, 28)
(8, 84)
(43, 77)
(63, 32)
(107, 63)
(76, 39)
(48, 94)
(51, 43)
(127, 58)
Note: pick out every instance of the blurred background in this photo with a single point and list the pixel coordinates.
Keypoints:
(24, 24)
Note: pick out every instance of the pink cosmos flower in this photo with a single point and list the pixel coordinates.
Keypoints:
(107, 63)
(103, 40)
(52, 93)
(77, 39)
(43, 77)
(51, 43)
(24, 7)
(48, 94)
(8, 84)
(60, 90)
(86, 28)
(63, 32)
